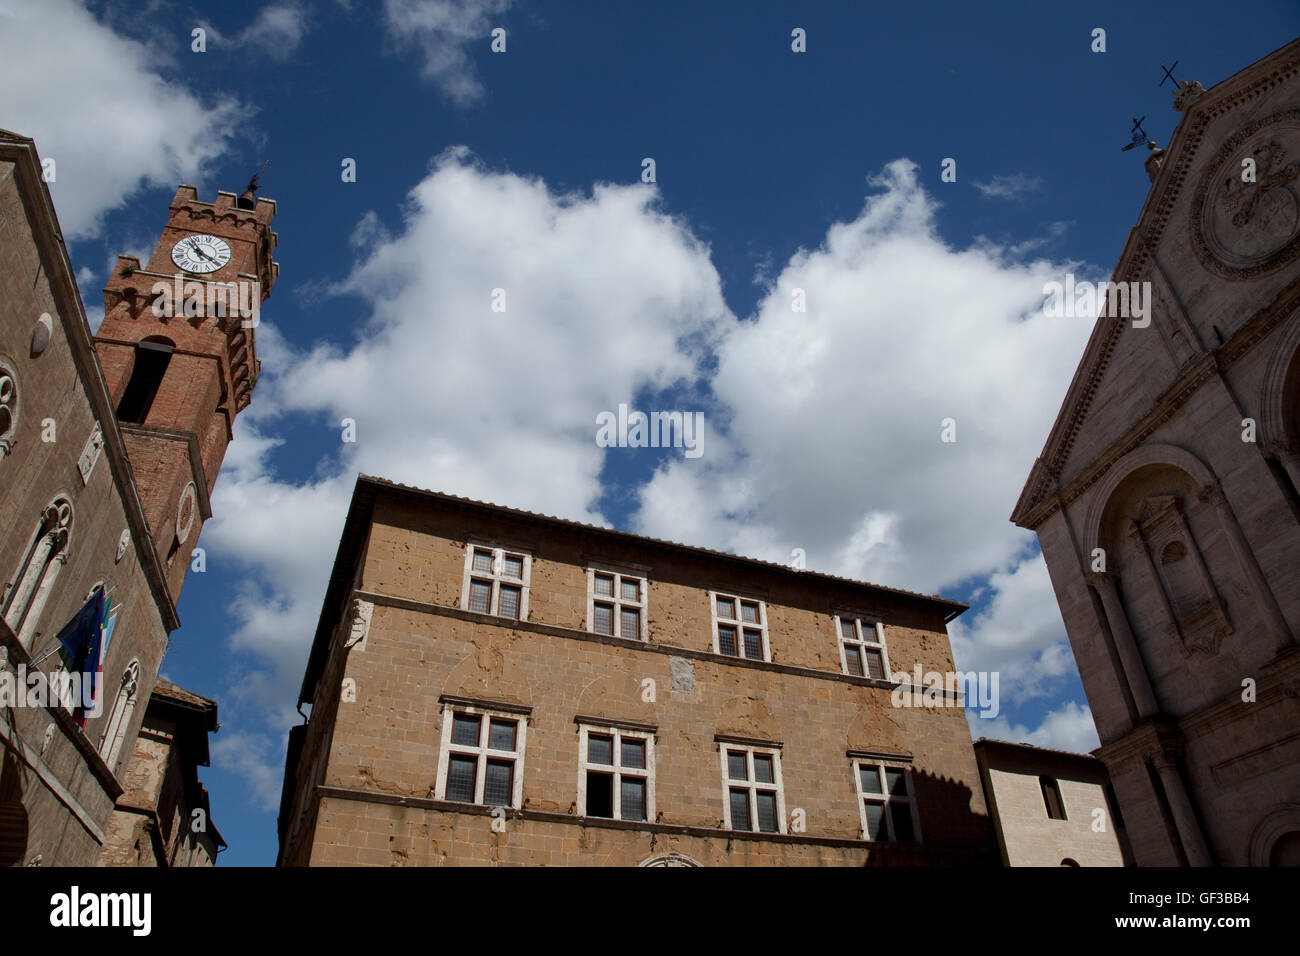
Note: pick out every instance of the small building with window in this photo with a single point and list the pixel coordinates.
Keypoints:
(1051, 807)
(493, 686)
(163, 817)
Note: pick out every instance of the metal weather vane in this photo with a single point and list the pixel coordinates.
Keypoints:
(252, 183)
(1139, 136)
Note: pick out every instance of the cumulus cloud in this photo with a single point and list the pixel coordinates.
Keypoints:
(836, 414)
(257, 760)
(1069, 728)
(1018, 632)
(111, 121)
(442, 32)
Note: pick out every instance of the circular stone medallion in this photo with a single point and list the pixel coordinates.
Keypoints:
(1246, 215)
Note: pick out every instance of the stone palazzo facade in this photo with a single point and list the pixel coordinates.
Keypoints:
(491, 686)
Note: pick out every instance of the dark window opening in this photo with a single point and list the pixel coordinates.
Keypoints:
(1052, 798)
(151, 359)
(498, 783)
(460, 779)
(600, 794)
(767, 821)
(901, 815)
(740, 810)
(633, 798)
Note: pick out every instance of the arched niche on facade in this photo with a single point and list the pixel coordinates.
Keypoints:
(1279, 397)
(1276, 838)
(1163, 547)
(670, 859)
(1279, 415)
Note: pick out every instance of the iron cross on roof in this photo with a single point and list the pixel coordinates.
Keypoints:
(1139, 137)
(1169, 73)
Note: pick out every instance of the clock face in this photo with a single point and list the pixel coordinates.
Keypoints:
(201, 253)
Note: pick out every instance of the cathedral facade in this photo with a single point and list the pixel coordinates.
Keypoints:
(1166, 498)
(109, 448)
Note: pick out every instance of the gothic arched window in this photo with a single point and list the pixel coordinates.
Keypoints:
(46, 552)
(8, 409)
(119, 718)
(152, 355)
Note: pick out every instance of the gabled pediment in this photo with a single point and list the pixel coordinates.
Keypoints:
(1133, 368)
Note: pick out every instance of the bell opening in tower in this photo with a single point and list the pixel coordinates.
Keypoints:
(152, 357)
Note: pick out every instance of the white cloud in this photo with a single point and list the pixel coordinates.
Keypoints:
(834, 441)
(1055, 231)
(256, 758)
(111, 122)
(1019, 633)
(1015, 186)
(442, 32)
(276, 31)
(1069, 728)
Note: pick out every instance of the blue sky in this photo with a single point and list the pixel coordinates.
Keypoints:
(521, 170)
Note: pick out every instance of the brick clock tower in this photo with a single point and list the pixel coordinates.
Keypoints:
(178, 353)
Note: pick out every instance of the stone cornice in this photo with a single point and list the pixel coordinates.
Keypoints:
(1210, 365)
(922, 850)
(634, 646)
(1162, 737)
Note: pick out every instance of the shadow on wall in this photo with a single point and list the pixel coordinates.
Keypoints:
(13, 815)
(952, 834)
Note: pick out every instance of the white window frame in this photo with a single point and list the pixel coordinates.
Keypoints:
(496, 578)
(885, 798)
(482, 752)
(616, 769)
(739, 625)
(869, 632)
(751, 785)
(618, 601)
